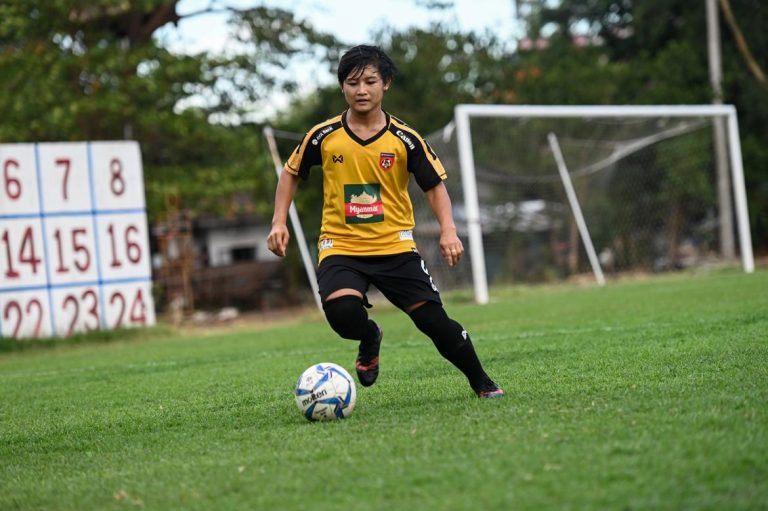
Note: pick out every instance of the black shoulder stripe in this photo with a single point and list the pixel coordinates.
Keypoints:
(399, 120)
(300, 144)
(310, 145)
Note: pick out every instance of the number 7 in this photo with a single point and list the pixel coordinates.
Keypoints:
(67, 164)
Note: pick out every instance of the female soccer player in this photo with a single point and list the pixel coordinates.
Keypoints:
(367, 157)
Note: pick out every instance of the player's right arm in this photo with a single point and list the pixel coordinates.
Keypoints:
(306, 155)
(278, 237)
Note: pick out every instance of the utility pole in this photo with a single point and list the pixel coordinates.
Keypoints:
(725, 204)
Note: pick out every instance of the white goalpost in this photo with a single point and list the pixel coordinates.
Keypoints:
(592, 153)
(576, 208)
(293, 215)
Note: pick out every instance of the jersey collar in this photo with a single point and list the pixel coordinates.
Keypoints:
(359, 140)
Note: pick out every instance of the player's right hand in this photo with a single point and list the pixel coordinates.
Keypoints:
(277, 241)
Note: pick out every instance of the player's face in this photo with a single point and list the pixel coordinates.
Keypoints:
(364, 91)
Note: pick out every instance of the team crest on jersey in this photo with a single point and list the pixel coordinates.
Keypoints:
(386, 160)
(362, 204)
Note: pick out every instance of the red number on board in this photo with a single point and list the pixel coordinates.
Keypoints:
(138, 312)
(139, 309)
(12, 185)
(84, 261)
(117, 183)
(132, 248)
(27, 253)
(33, 304)
(93, 310)
(66, 163)
(9, 272)
(7, 315)
(71, 299)
(117, 295)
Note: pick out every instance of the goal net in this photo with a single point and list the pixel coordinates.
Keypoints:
(644, 182)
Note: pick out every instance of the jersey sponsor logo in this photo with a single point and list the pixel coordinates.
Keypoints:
(386, 160)
(406, 235)
(405, 138)
(362, 204)
(323, 132)
(337, 159)
(325, 244)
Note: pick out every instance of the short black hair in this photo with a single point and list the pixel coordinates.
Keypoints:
(356, 59)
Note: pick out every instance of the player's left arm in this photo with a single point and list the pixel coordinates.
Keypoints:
(450, 244)
(430, 173)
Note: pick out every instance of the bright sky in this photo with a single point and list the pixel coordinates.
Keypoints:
(351, 21)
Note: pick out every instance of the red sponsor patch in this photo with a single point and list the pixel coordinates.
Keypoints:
(363, 210)
(386, 160)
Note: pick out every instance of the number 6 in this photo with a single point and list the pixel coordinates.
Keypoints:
(12, 185)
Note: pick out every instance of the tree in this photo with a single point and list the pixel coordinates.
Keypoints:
(649, 58)
(93, 71)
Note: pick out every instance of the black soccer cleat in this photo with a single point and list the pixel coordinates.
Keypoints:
(489, 390)
(367, 363)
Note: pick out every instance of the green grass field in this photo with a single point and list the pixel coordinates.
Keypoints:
(642, 395)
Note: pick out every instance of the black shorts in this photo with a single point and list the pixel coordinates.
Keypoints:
(402, 278)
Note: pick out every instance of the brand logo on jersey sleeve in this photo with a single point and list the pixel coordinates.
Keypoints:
(362, 204)
(322, 133)
(386, 160)
(405, 138)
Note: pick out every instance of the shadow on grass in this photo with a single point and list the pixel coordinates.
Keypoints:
(9, 345)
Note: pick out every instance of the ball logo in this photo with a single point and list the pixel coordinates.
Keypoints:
(313, 397)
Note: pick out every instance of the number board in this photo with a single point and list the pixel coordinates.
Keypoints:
(74, 250)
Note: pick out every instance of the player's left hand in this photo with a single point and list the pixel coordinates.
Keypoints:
(451, 247)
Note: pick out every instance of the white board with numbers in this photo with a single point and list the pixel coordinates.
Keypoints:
(74, 250)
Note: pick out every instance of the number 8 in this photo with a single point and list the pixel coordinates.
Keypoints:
(117, 183)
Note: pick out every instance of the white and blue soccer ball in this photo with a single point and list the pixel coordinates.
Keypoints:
(326, 391)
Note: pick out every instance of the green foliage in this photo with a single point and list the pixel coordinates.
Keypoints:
(650, 58)
(642, 395)
(437, 69)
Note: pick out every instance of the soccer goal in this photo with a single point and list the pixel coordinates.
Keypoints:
(545, 193)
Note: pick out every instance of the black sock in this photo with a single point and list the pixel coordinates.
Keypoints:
(452, 341)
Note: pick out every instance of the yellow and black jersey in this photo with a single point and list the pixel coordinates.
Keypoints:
(366, 206)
